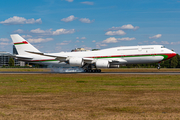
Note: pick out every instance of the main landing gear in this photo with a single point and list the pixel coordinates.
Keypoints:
(92, 70)
(89, 68)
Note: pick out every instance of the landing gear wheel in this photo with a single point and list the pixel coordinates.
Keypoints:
(85, 70)
(98, 70)
(159, 67)
(92, 70)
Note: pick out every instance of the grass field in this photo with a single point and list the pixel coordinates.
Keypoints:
(103, 70)
(140, 70)
(24, 70)
(89, 96)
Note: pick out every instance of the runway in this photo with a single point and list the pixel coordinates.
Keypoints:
(139, 73)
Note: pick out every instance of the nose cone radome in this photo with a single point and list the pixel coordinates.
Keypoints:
(171, 55)
(174, 54)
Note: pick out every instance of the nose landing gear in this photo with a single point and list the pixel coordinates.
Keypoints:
(159, 66)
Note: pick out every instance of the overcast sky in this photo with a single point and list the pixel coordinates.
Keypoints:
(62, 25)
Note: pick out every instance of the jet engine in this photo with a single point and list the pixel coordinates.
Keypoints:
(76, 62)
(114, 66)
(102, 64)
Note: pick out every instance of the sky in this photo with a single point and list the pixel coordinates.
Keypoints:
(62, 25)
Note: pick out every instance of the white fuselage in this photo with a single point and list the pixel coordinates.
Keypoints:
(131, 54)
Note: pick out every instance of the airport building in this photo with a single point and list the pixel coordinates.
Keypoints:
(5, 57)
(79, 50)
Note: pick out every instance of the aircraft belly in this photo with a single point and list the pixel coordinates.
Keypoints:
(144, 59)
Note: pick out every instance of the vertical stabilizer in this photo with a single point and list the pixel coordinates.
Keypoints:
(22, 45)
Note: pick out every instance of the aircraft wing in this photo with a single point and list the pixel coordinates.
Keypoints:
(120, 60)
(48, 55)
(60, 58)
(86, 60)
(89, 60)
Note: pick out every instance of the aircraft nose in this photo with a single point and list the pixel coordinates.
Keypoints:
(172, 55)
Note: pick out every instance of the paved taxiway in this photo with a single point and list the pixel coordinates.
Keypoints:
(140, 73)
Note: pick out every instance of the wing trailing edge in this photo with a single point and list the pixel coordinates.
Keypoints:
(49, 55)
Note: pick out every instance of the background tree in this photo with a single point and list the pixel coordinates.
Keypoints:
(11, 62)
(174, 62)
(178, 58)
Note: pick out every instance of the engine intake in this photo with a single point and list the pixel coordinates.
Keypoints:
(76, 62)
(102, 64)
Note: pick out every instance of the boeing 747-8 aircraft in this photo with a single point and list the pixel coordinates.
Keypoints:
(91, 61)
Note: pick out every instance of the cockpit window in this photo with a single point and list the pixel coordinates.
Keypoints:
(162, 46)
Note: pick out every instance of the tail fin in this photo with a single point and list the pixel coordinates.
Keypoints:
(22, 45)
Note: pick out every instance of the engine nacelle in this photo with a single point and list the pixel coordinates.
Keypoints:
(76, 62)
(102, 64)
(114, 66)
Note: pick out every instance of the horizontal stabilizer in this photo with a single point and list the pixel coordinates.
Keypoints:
(23, 57)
